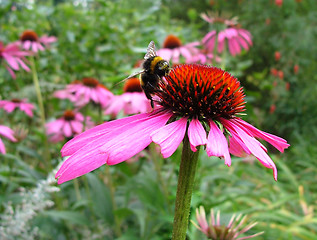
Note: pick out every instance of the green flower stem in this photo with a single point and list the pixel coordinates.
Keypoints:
(114, 205)
(42, 111)
(157, 165)
(184, 190)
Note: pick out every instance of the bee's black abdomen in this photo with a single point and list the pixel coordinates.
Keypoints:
(147, 64)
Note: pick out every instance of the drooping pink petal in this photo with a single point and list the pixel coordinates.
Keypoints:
(9, 107)
(77, 127)
(170, 136)
(277, 142)
(7, 132)
(2, 147)
(67, 130)
(254, 146)
(196, 134)
(217, 144)
(12, 61)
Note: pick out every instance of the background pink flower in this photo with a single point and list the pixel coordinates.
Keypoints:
(132, 101)
(8, 133)
(14, 58)
(173, 49)
(69, 125)
(22, 104)
(85, 91)
(237, 39)
(30, 41)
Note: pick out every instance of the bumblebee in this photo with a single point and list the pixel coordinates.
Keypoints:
(154, 68)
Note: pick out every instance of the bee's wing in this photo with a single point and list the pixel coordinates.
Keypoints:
(151, 51)
(131, 76)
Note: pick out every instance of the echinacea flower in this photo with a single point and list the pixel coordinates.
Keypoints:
(236, 37)
(132, 101)
(8, 133)
(173, 49)
(216, 231)
(30, 41)
(14, 58)
(22, 104)
(200, 101)
(84, 91)
(68, 126)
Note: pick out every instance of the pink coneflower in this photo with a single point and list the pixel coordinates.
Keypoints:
(84, 91)
(68, 126)
(132, 101)
(14, 58)
(216, 231)
(173, 49)
(237, 37)
(8, 133)
(30, 41)
(22, 104)
(198, 100)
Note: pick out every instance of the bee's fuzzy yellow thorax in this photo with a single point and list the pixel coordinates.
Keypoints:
(154, 62)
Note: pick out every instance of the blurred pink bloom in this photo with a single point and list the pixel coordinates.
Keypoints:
(205, 58)
(22, 104)
(29, 40)
(190, 94)
(14, 58)
(8, 133)
(68, 126)
(84, 91)
(215, 230)
(237, 39)
(173, 49)
(132, 101)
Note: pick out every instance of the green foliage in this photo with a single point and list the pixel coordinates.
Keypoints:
(104, 39)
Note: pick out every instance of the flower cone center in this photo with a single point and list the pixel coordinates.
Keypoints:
(172, 42)
(202, 92)
(90, 82)
(16, 100)
(132, 85)
(29, 35)
(69, 115)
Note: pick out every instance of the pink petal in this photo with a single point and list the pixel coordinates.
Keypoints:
(170, 136)
(254, 146)
(27, 45)
(11, 72)
(2, 147)
(165, 53)
(196, 134)
(7, 132)
(96, 132)
(67, 130)
(115, 144)
(279, 143)
(77, 127)
(217, 144)
(133, 139)
(34, 47)
(11, 61)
